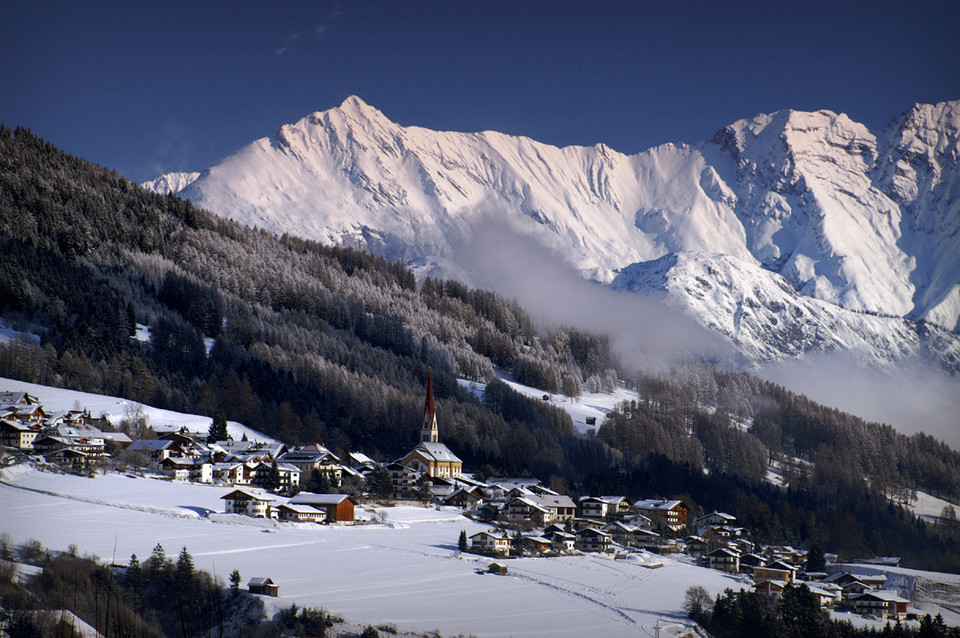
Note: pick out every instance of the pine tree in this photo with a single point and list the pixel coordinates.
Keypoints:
(134, 575)
(157, 563)
(273, 479)
(184, 567)
(380, 483)
(235, 582)
(423, 491)
(462, 541)
(218, 429)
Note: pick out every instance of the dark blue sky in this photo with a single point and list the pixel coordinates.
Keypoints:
(150, 87)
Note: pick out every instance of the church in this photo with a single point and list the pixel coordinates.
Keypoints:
(431, 456)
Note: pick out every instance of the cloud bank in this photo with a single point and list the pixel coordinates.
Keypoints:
(647, 335)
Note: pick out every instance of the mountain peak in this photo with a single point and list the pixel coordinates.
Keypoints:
(811, 196)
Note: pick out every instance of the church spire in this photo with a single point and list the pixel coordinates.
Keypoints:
(428, 430)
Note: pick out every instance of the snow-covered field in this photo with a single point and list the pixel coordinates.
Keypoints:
(117, 409)
(595, 405)
(405, 570)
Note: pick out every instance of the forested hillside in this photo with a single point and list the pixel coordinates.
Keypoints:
(307, 343)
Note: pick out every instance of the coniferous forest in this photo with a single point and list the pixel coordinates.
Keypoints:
(307, 343)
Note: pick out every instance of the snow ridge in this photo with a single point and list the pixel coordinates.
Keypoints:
(840, 224)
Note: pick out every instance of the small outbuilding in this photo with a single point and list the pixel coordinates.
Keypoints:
(498, 568)
(263, 586)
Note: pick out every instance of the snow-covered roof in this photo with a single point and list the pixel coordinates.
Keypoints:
(886, 595)
(437, 451)
(150, 445)
(656, 504)
(309, 498)
(302, 509)
(361, 459)
(286, 467)
(250, 492)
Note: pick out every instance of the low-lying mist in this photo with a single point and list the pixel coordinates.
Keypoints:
(912, 398)
(645, 332)
(647, 335)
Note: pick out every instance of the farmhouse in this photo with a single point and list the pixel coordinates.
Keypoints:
(13, 433)
(490, 543)
(724, 559)
(250, 502)
(292, 512)
(776, 570)
(663, 513)
(884, 603)
(593, 540)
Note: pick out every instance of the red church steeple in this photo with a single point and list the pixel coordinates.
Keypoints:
(428, 430)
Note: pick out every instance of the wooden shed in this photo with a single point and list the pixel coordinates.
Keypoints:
(339, 507)
(263, 586)
(498, 568)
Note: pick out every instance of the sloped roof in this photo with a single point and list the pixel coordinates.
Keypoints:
(151, 445)
(657, 504)
(437, 452)
(309, 498)
(258, 495)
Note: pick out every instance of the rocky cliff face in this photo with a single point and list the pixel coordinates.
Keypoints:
(790, 232)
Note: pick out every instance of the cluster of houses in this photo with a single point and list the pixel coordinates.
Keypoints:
(720, 544)
(545, 522)
(63, 437)
(530, 518)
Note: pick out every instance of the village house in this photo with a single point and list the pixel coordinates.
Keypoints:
(620, 532)
(597, 507)
(14, 399)
(291, 512)
(178, 468)
(724, 559)
(339, 508)
(250, 502)
(526, 511)
(715, 518)
(157, 450)
(561, 541)
(750, 560)
(772, 588)
(465, 498)
(695, 545)
(883, 603)
(228, 473)
(360, 461)
(590, 539)
(536, 545)
(403, 479)
(775, 570)
(18, 435)
(490, 542)
(829, 595)
(663, 513)
(312, 458)
(87, 448)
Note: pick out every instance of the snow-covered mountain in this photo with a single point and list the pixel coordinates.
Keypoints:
(786, 232)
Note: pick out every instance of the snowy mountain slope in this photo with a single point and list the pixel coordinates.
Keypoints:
(764, 316)
(863, 222)
(171, 182)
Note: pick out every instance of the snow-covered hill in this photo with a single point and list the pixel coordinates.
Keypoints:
(810, 208)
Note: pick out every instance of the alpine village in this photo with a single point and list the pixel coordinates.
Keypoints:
(362, 392)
